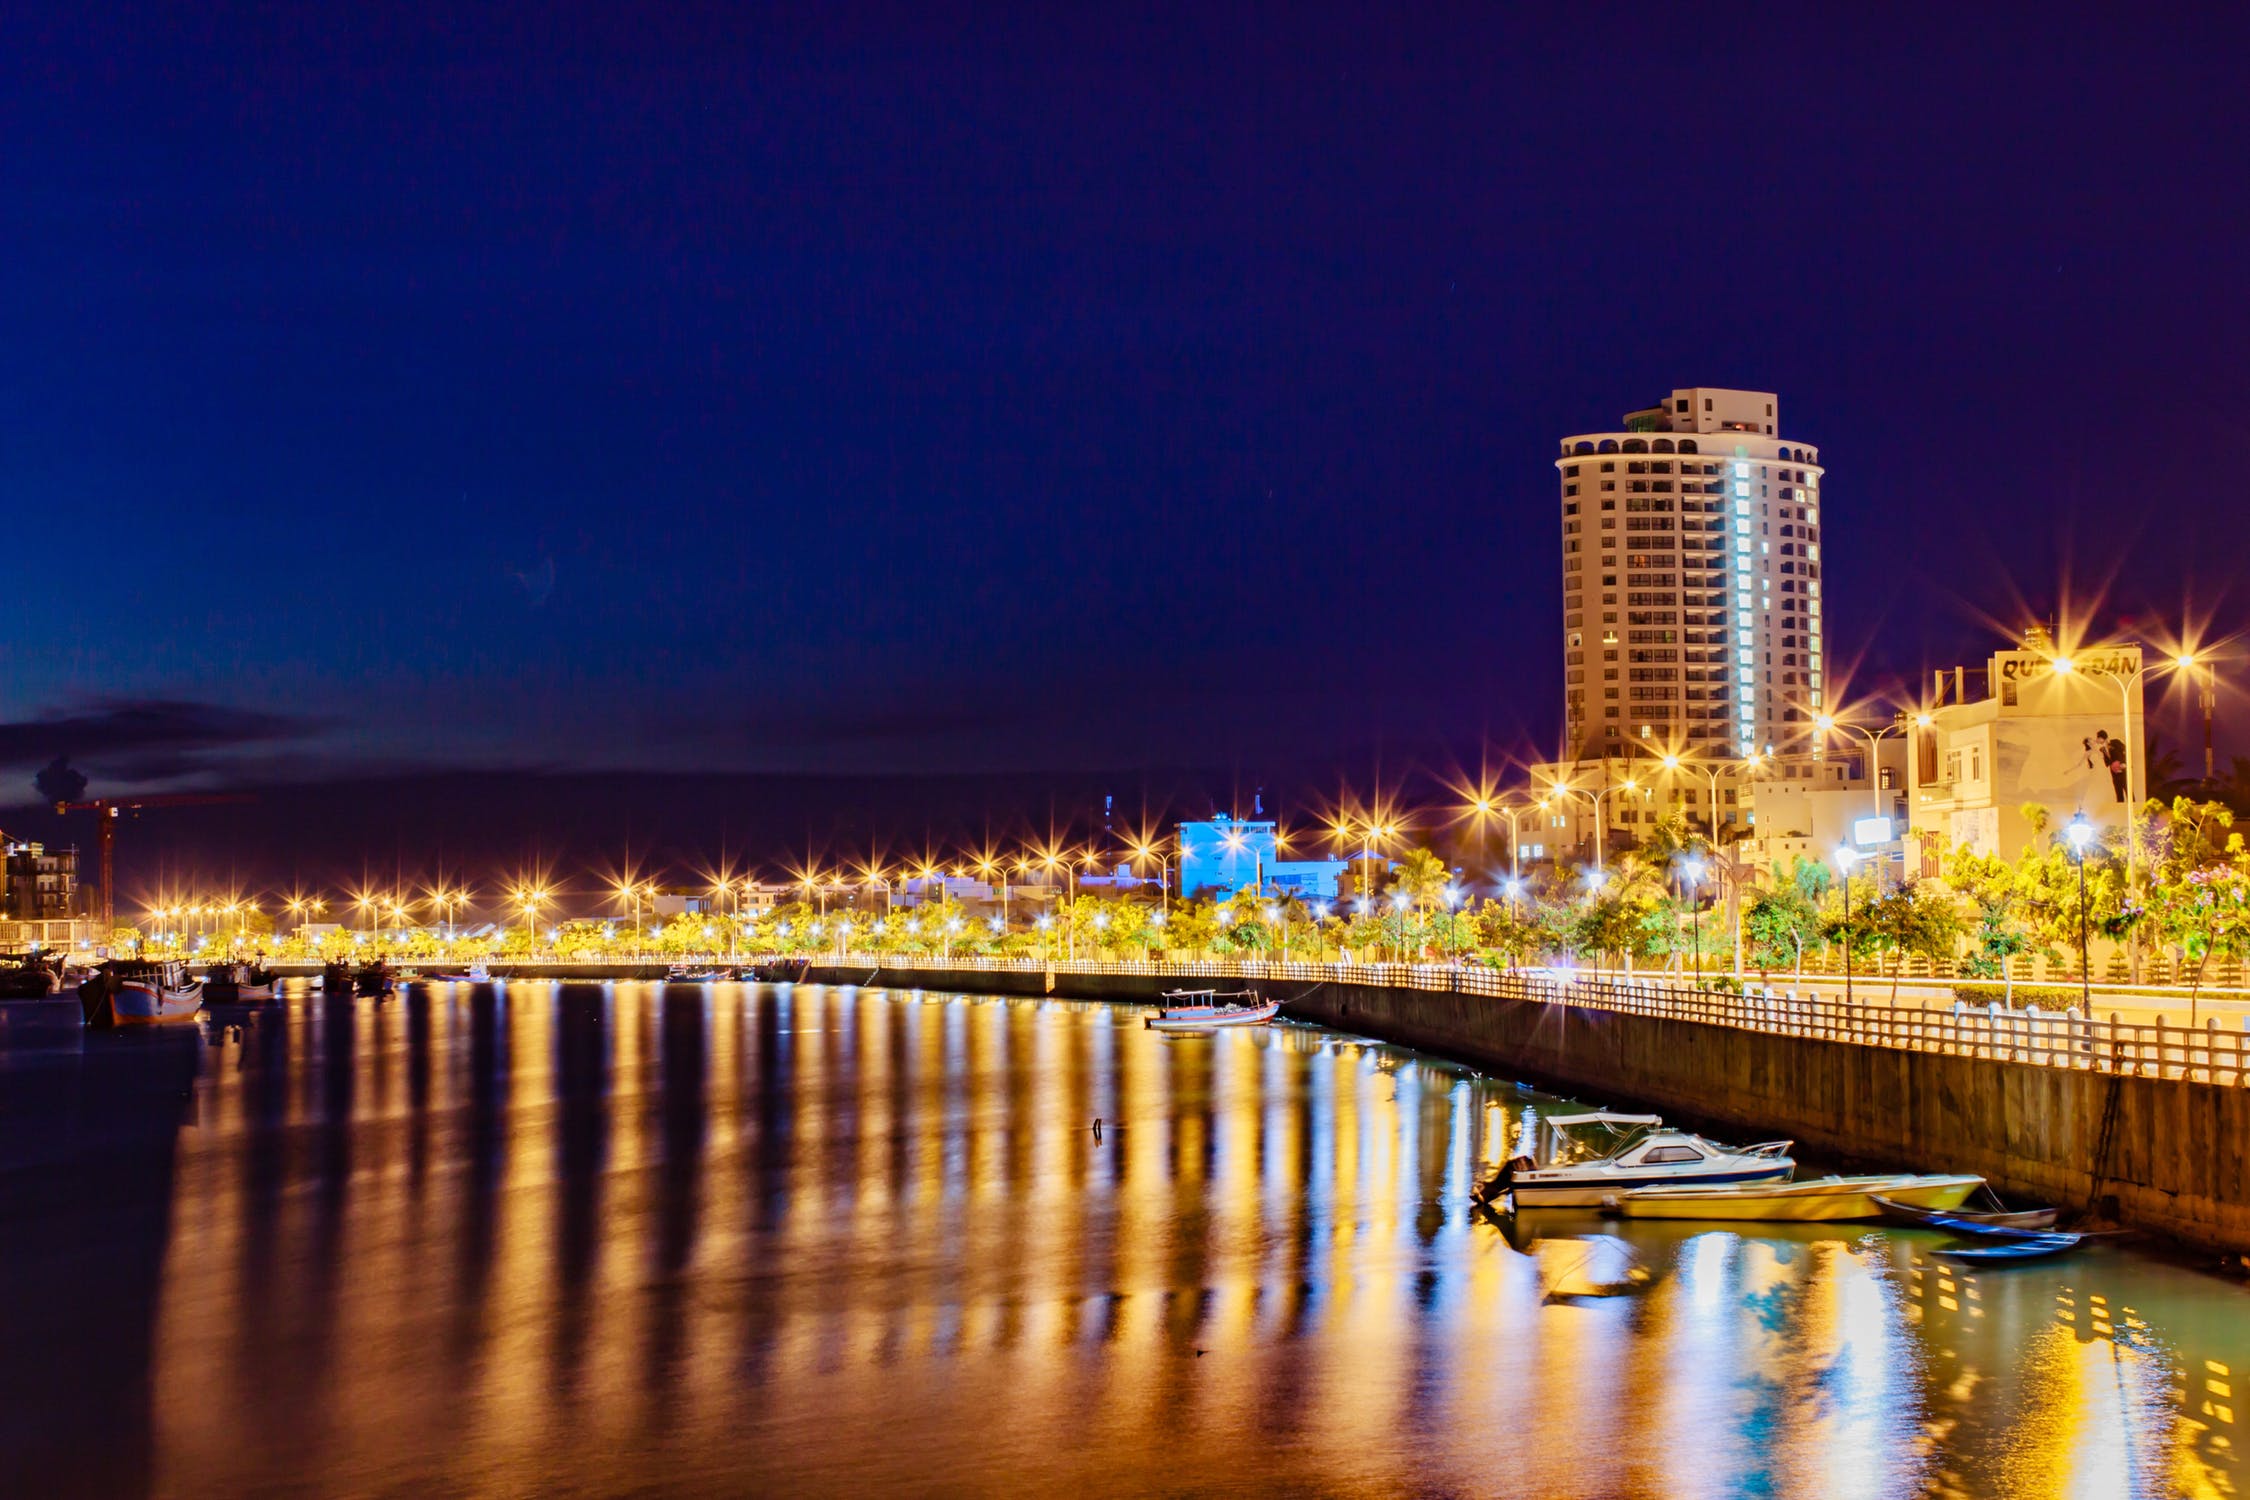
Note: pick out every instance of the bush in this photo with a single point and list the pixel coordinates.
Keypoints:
(2045, 996)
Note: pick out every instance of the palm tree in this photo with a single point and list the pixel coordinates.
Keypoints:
(1421, 878)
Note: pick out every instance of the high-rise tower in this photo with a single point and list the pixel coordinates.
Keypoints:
(1691, 579)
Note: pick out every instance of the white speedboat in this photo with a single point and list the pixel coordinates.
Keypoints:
(1200, 1010)
(1590, 1158)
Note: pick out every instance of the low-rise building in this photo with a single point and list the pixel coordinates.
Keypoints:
(1225, 854)
(40, 898)
(2034, 727)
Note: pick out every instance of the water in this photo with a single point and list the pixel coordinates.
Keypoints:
(600, 1239)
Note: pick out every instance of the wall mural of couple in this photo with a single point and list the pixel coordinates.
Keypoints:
(2105, 758)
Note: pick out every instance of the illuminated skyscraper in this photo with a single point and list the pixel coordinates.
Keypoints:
(1691, 579)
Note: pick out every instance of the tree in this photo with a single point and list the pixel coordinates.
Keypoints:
(1421, 877)
(1777, 924)
(2207, 912)
(1916, 919)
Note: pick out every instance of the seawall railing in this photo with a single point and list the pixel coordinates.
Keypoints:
(2210, 1053)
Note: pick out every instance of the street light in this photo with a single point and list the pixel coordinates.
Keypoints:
(2081, 834)
(1845, 858)
(1601, 833)
(2185, 661)
(1146, 850)
(1830, 724)
(1693, 870)
(1236, 843)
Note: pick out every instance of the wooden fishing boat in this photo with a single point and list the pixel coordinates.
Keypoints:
(2012, 1251)
(140, 994)
(2021, 1221)
(1821, 1200)
(1205, 1010)
(238, 984)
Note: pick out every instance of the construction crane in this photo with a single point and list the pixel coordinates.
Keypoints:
(108, 810)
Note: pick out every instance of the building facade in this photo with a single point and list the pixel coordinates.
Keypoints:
(2035, 727)
(1691, 579)
(1225, 854)
(40, 898)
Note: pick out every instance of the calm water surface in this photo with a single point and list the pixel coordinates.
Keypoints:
(574, 1239)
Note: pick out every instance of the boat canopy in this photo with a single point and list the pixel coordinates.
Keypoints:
(1595, 1133)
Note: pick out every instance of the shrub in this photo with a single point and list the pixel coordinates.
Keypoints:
(2045, 996)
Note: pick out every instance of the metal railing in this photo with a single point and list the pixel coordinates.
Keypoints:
(2209, 1053)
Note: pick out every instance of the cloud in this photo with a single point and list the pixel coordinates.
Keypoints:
(146, 740)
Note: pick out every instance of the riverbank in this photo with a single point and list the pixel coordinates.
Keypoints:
(2159, 1154)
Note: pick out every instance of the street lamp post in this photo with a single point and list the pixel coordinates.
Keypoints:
(1829, 724)
(2081, 833)
(1693, 869)
(1845, 859)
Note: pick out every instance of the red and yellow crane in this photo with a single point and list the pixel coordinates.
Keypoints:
(109, 809)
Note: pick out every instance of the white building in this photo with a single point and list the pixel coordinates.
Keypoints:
(2036, 726)
(1691, 579)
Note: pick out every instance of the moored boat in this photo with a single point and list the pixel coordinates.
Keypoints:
(2012, 1251)
(242, 984)
(1586, 1159)
(473, 974)
(1820, 1200)
(1203, 1010)
(1965, 1220)
(30, 976)
(139, 994)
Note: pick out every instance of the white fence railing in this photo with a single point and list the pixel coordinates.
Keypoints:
(2210, 1053)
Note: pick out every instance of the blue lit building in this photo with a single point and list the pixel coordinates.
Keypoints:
(1225, 854)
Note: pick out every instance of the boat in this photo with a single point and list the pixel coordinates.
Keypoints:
(140, 994)
(1820, 1200)
(1203, 1010)
(372, 979)
(30, 976)
(781, 970)
(1963, 1220)
(1584, 1160)
(2012, 1251)
(682, 974)
(473, 974)
(244, 984)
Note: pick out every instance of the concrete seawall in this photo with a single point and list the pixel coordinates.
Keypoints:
(2177, 1154)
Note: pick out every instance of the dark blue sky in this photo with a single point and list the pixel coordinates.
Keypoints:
(892, 391)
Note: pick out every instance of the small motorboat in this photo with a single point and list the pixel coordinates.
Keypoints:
(781, 970)
(1205, 1010)
(473, 974)
(2012, 1251)
(1964, 1220)
(140, 994)
(1819, 1201)
(1584, 1160)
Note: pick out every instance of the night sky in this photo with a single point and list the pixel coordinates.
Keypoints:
(895, 393)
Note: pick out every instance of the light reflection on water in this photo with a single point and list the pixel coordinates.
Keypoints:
(590, 1239)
